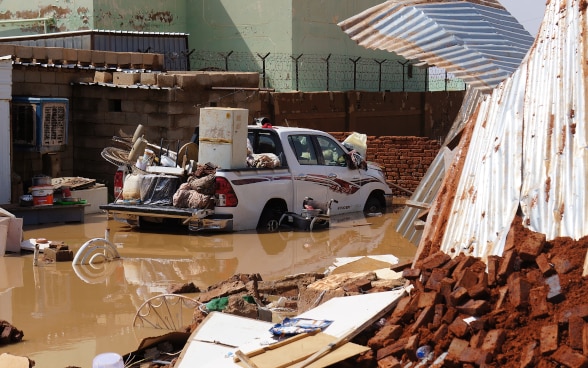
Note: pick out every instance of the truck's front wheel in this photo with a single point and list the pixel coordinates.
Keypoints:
(269, 221)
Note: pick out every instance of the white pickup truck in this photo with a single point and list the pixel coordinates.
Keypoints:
(312, 164)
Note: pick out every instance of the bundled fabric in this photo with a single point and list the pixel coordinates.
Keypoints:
(203, 185)
(263, 160)
(204, 169)
(198, 190)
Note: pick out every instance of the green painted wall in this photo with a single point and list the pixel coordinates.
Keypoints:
(144, 15)
(66, 15)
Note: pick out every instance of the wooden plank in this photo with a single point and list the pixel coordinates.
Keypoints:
(416, 204)
(300, 349)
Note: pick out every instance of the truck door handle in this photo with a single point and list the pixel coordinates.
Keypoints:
(302, 176)
(356, 178)
(332, 176)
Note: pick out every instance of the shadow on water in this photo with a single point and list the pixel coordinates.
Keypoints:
(69, 314)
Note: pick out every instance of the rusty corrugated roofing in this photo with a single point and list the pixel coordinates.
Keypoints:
(479, 41)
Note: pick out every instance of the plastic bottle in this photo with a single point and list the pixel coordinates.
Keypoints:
(423, 352)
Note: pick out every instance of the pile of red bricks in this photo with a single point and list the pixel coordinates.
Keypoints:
(527, 308)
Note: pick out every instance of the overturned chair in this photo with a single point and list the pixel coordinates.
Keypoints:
(314, 214)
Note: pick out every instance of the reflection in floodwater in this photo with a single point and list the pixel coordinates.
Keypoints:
(71, 313)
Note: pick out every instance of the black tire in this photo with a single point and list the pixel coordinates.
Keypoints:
(269, 221)
(374, 204)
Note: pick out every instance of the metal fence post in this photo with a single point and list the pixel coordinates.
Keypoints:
(380, 73)
(354, 70)
(263, 66)
(226, 57)
(296, 60)
(327, 61)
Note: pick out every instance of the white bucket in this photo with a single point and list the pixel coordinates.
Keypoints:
(108, 360)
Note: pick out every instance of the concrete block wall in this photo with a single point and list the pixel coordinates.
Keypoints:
(168, 111)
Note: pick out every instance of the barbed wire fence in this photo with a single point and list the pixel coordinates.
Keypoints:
(330, 72)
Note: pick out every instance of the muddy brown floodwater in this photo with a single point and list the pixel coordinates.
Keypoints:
(71, 314)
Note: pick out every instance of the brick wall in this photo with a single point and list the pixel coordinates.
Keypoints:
(404, 159)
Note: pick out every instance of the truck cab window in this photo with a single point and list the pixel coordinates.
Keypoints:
(303, 149)
(332, 153)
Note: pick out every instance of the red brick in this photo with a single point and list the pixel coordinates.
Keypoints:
(395, 348)
(562, 264)
(493, 263)
(549, 339)
(575, 332)
(518, 289)
(474, 356)
(429, 299)
(528, 355)
(585, 339)
(459, 328)
(389, 362)
(459, 296)
(569, 358)
(456, 347)
(478, 339)
(531, 246)
(411, 273)
(384, 335)
(434, 281)
(424, 318)
(544, 265)
(506, 266)
(440, 334)
(450, 315)
(435, 260)
(493, 341)
(438, 316)
(538, 302)
(475, 308)
(452, 263)
(446, 288)
(480, 290)
(467, 279)
(411, 346)
(578, 310)
(463, 265)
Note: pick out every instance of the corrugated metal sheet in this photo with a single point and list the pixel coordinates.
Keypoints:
(529, 145)
(527, 150)
(174, 46)
(479, 41)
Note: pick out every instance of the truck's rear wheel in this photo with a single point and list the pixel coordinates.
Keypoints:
(269, 221)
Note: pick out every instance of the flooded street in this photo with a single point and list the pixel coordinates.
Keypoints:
(69, 314)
